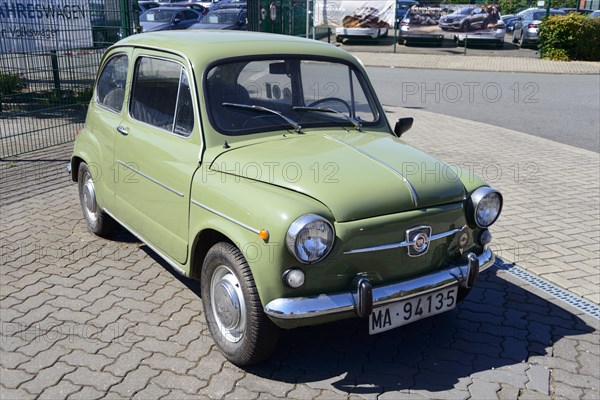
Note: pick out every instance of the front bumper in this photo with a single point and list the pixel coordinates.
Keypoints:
(365, 298)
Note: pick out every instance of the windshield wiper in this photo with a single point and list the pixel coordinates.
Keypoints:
(354, 122)
(290, 121)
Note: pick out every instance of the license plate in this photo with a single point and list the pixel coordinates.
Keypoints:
(404, 312)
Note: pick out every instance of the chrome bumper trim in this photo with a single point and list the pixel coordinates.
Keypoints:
(327, 304)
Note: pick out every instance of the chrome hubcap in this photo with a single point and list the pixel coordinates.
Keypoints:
(89, 198)
(228, 305)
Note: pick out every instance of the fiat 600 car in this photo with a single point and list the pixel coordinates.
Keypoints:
(263, 166)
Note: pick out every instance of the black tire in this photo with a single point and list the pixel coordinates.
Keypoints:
(98, 221)
(465, 26)
(245, 337)
(339, 39)
(514, 37)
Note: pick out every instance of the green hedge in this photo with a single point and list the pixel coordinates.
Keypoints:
(570, 37)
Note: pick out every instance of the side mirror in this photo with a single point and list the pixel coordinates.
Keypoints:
(176, 21)
(403, 125)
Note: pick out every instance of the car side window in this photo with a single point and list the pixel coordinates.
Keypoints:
(189, 15)
(110, 89)
(161, 96)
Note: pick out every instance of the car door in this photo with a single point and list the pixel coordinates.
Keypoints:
(105, 114)
(157, 150)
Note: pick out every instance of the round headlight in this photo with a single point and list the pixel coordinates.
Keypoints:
(310, 238)
(487, 204)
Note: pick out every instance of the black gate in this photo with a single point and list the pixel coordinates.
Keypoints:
(49, 54)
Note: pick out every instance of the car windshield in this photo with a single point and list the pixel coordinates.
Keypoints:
(248, 97)
(156, 15)
(219, 17)
(464, 11)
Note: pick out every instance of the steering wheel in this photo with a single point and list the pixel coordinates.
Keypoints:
(334, 99)
(257, 118)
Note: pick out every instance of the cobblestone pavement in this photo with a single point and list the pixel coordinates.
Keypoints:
(83, 317)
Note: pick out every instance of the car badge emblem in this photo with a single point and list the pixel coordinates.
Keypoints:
(418, 240)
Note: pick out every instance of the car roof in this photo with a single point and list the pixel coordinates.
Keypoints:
(203, 47)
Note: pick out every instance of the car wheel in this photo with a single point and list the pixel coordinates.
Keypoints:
(465, 26)
(98, 221)
(514, 37)
(233, 309)
(522, 41)
(339, 39)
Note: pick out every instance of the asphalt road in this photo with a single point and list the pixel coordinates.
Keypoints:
(563, 108)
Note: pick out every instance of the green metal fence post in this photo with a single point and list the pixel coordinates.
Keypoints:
(125, 11)
(55, 71)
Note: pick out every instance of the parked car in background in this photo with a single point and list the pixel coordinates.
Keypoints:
(230, 4)
(223, 18)
(227, 154)
(146, 5)
(168, 18)
(594, 14)
(189, 4)
(402, 7)
(527, 25)
(582, 11)
(509, 21)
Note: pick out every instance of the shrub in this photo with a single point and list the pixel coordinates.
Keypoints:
(11, 84)
(576, 35)
(511, 6)
(557, 55)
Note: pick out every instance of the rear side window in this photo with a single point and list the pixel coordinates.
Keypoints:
(110, 90)
(161, 96)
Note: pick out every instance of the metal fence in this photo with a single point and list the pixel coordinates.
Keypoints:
(49, 55)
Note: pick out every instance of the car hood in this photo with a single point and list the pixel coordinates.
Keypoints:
(356, 175)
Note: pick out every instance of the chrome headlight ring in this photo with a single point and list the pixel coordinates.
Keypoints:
(486, 205)
(310, 238)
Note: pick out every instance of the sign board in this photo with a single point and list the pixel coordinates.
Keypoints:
(541, 3)
(447, 19)
(354, 13)
(43, 25)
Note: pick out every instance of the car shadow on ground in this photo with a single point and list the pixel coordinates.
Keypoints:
(499, 325)
(384, 41)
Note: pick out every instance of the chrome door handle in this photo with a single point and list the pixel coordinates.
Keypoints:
(122, 130)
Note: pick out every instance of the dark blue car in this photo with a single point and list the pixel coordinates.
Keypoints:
(168, 18)
(402, 7)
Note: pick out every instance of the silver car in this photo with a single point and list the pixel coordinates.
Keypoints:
(527, 25)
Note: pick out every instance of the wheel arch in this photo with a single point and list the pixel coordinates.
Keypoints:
(75, 163)
(202, 243)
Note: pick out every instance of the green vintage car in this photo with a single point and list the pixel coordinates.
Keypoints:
(263, 166)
